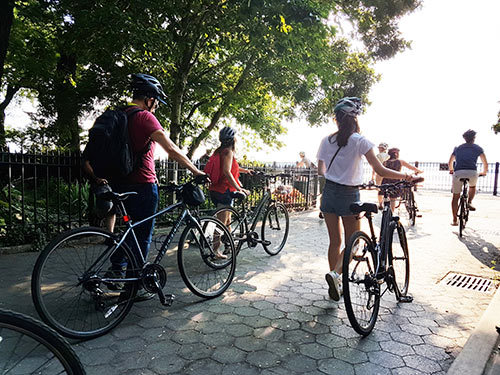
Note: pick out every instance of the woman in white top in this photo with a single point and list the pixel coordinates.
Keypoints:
(340, 161)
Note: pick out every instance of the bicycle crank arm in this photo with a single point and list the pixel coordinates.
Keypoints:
(166, 299)
(405, 299)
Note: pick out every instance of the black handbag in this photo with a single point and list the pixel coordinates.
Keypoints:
(192, 195)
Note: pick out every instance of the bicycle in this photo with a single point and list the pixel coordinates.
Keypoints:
(78, 292)
(411, 207)
(369, 262)
(27, 346)
(463, 206)
(275, 222)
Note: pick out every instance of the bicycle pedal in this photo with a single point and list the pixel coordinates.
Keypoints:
(419, 215)
(165, 299)
(405, 299)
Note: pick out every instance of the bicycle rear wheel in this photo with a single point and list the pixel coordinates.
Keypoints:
(74, 289)
(361, 291)
(410, 206)
(399, 258)
(462, 216)
(203, 272)
(28, 346)
(275, 227)
(235, 226)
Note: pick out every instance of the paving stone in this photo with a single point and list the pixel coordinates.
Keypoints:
(217, 339)
(281, 348)
(268, 333)
(239, 369)
(299, 316)
(272, 314)
(432, 352)
(385, 359)
(397, 348)
(363, 344)
(334, 366)
(228, 355)
(140, 359)
(298, 363)
(186, 337)
(368, 368)
(285, 324)
(195, 351)
(99, 357)
(238, 330)
(406, 371)
(315, 327)
(407, 338)
(250, 343)
(316, 351)
(263, 359)
(350, 355)
(422, 363)
(298, 336)
(415, 329)
(167, 364)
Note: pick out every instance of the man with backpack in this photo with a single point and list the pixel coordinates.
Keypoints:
(144, 132)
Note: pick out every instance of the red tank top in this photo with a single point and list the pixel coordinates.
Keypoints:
(223, 184)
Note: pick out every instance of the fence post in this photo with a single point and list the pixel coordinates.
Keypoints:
(495, 184)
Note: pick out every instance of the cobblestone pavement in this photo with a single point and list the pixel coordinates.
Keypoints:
(277, 319)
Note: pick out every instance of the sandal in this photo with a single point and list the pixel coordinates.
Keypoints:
(220, 256)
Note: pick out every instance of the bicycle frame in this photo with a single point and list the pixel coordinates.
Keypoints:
(256, 212)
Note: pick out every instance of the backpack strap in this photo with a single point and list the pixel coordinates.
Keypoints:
(131, 111)
(331, 161)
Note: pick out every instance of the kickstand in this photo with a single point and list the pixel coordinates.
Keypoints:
(405, 299)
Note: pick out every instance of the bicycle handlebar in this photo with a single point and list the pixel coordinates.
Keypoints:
(173, 186)
(398, 184)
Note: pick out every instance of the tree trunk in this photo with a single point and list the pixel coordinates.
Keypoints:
(6, 18)
(9, 95)
(66, 103)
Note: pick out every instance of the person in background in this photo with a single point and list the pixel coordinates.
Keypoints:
(304, 162)
(396, 164)
(382, 156)
(203, 160)
(340, 160)
(463, 164)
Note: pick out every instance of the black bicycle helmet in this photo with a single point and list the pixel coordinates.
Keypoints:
(147, 85)
(226, 133)
(469, 135)
(350, 106)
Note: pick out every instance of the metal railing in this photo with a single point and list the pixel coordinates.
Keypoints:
(42, 194)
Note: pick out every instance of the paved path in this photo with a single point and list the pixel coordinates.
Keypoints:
(277, 319)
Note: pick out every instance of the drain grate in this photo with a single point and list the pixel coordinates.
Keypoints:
(468, 282)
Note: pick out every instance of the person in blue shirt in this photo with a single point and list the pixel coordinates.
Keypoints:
(463, 164)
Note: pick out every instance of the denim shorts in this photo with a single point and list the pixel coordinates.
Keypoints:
(337, 198)
(221, 199)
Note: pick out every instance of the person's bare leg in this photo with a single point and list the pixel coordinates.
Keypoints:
(393, 204)
(454, 208)
(472, 193)
(109, 222)
(333, 225)
(351, 225)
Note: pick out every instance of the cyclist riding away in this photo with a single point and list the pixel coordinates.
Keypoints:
(463, 164)
(340, 161)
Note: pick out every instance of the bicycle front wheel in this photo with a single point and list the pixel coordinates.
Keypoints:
(360, 287)
(275, 227)
(75, 288)
(234, 224)
(207, 257)
(399, 258)
(28, 346)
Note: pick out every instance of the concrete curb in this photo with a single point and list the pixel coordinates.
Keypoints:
(478, 349)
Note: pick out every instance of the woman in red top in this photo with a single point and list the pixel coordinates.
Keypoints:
(229, 172)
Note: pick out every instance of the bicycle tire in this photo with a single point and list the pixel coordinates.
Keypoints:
(236, 226)
(361, 291)
(27, 346)
(204, 274)
(272, 228)
(399, 258)
(72, 298)
(461, 216)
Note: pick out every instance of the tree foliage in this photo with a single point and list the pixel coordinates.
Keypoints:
(251, 62)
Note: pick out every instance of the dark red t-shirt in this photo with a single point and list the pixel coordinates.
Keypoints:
(141, 126)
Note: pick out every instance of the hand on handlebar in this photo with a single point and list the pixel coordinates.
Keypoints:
(245, 191)
(202, 179)
(482, 174)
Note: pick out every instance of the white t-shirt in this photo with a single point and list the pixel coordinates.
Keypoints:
(383, 156)
(347, 168)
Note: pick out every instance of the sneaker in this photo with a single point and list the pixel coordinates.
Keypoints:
(321, 216)
(471, 207)
(114, 274)
(333, 280)
(143, 295)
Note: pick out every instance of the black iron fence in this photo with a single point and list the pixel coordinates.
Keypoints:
(42, 194)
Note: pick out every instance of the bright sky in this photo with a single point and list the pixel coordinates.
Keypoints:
(428, 96)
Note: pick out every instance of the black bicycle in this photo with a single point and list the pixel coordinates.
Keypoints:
(77, 289)
(28, 346)
(243, 224)
(370, 262)
(408, 199)
(463, 206)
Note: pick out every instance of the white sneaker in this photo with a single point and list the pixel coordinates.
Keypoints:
(333, 280)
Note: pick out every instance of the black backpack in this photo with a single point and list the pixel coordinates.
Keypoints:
(109, 151)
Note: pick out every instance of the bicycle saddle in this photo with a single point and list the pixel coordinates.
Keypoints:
(358, 207)
(464, 179)
(110, 195)
(238, 195)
